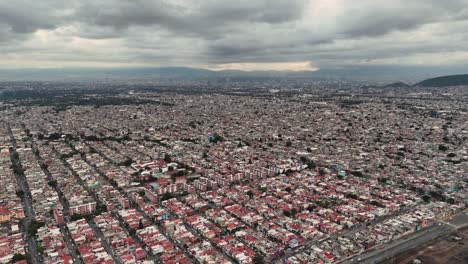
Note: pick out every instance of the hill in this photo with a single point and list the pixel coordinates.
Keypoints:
(350, 73)
(390, 85)
(450, 80)
(397, 85)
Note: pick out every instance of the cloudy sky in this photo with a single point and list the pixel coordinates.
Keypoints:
(240, 34)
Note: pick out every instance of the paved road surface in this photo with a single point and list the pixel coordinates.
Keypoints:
(27, 201)
(406, 243)
(66, 234)
(309, 244)
(103, 240)
(72, 248)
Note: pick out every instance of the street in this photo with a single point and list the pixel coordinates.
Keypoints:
(406, 243)
(27, 201)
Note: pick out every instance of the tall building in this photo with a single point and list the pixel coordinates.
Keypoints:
(83, 209)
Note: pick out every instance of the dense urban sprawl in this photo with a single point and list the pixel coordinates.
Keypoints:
(225, 173)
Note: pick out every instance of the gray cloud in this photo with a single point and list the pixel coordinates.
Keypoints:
(203, 33)
(380, 18)
(208, 19)
(20, 18)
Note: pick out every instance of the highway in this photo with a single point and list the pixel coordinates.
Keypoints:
(396, 247)
(310, 243)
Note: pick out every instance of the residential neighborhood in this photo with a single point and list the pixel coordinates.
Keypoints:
(312, 176)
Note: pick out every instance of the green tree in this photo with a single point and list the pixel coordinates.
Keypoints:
(20, 193)
(357, 173)
(167, 196)
(52, 183)
(311, 208)
(216, 138)
(258, 259)
(34, 226)
(126, 163)
(450, 201)
(75, 217)
(377, 203)
(426, 198)
(443, 147)
(40, 249)
(382, 180)
(293, 212)
(18, 257)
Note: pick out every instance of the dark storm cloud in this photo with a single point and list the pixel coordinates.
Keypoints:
(256, 46)
(362, 20)
(381, 18)
(382, 25)
(205, 32)
(268, 11)
(22, 17)
(202, 18)
(234, 50)
(123, 14)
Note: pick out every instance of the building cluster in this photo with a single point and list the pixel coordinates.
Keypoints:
(78, 199)
(124, 245)
(159, 245)
(89, 244)
(11, 209)
(52, 244)
(216, 178)
(44, 197)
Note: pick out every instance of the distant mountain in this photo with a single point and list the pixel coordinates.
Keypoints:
(389, 73)
(450, 80)
(390, 85)
(372, 73)
(67, 74)
(142, 73)
(397, 85)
